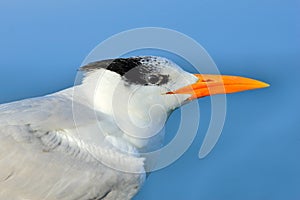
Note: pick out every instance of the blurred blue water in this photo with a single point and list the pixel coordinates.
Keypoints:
(42, 44)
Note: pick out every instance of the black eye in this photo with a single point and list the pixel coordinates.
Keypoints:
(154, 79)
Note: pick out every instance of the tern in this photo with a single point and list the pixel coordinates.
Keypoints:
(85, 142)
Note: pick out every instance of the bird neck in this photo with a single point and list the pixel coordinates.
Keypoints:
(130, 120)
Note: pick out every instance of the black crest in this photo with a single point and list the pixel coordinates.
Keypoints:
(119, 65)
(137, 70)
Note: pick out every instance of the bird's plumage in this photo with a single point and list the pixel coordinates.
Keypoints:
(43, 157)
(51, 147)
(86, 142)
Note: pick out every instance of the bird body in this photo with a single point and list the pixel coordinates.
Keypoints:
(85, 142)
(42, 156)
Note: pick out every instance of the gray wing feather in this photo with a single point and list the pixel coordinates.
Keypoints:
(41, 157)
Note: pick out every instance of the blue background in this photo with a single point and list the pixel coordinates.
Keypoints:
(42, 44)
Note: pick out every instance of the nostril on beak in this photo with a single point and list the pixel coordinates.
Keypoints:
(207, 80)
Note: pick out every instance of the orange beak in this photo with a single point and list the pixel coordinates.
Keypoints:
(208, 85)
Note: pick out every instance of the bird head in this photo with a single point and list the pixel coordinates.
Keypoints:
(139, 93)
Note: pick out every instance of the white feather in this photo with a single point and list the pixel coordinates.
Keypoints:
(42, 156)
(84, 142)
